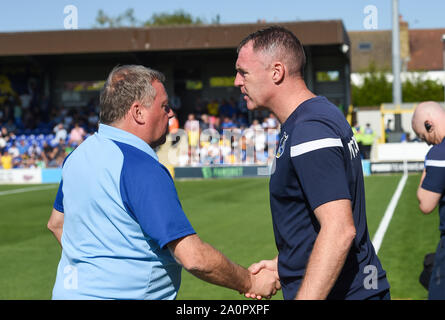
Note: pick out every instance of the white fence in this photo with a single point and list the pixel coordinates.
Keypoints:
(405, 151)
(30, 176)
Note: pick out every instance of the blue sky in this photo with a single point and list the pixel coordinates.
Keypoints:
(33, 15)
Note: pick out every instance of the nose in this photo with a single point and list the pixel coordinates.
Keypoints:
(238, 80)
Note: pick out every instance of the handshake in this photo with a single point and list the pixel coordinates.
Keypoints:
(264, 280)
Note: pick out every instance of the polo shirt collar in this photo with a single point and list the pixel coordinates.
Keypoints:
(123, 136)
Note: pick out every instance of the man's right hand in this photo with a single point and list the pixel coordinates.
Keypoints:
(264, 284)
(265, 268)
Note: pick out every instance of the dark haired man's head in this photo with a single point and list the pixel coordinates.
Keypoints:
(278, 43)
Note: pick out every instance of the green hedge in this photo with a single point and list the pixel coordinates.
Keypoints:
(376, 89)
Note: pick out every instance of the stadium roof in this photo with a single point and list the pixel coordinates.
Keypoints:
(329, 32)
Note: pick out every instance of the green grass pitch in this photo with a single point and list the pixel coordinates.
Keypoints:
(232, 215)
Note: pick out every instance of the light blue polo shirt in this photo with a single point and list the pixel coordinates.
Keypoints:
(120, 210)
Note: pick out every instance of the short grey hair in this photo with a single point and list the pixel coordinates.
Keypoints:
(125, 85)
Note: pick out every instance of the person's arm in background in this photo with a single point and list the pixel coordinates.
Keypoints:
(208, 264)
(55, 224)
(428, 200)
(337, 232)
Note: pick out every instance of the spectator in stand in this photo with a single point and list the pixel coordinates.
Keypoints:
(20, 162)
(227, 123)
(57, 154)
(40, 161)
(271, 122)
(260, 146)
(226, 109)
(248, 143)
(77, 135)
(368, 138)
(243, 145)
(204, 124)
(243, 121)
(257, 136)
(2, 144)
(6, 160)
(388, 128)
(3, 139)
(34, 150)
(47, 152)
(213, 107)
(68, 149)
(368, 129)
(173, 124)
(14, 151)
(17, 162)
(173, 127)
(59, 160)
(192, 128)
(22, 147)
(405, 137)
(214, 122)
(4, 132)
(210, 152)
(12, 137)
(32, 161)
(256, 125)
(60, 133)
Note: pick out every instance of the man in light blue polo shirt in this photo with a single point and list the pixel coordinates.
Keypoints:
(117, 215)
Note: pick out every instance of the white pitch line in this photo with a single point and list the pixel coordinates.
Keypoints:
(380, 234)
(22, 190)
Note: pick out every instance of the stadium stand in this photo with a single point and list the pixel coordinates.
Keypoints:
(42, 138)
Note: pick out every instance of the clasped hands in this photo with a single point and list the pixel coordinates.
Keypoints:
(264, 279)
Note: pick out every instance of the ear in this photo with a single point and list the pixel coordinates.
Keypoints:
(278, 72)
(137, 112)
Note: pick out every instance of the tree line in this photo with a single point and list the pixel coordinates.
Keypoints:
(127, 19)
(377, 89)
